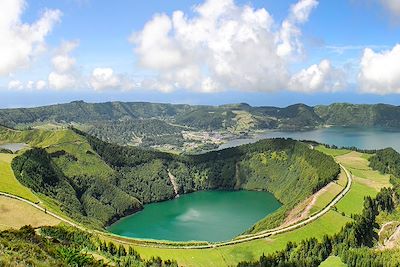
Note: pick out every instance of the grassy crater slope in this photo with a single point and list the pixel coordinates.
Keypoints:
(96, 182)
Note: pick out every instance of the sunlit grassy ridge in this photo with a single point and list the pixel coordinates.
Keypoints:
(88, 162)
(332, 152)
(78, 171)
(330, 193)
(8, 182)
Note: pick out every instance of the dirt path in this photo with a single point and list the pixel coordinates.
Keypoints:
(384, 226)
(393, 240)
(174, 183)
(302, 211)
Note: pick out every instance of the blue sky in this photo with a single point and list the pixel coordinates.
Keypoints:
(330, 51)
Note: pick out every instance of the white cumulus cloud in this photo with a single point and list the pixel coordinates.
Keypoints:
(19, 41)
(63, 62)
(380, 71)
(103, 78)
(290, 33)
(40, 85)
(15, 84)
(222, 46)
(61, 81)
(318, 77)
(106, 78)
(29, 85)
(64, 75)
(392, 5)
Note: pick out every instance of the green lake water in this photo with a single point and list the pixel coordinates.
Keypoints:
(203, 216)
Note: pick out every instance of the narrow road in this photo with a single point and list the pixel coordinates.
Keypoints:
(239, 239)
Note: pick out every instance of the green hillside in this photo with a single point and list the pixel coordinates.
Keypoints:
(154, 124)
(96, 182)
(381, 115)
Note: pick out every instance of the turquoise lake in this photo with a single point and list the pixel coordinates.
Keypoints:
(204, 216)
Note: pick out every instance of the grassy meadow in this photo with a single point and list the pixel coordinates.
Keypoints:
(9, 184)
(333, 261)
(15, 214)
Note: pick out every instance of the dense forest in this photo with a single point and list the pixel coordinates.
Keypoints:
(96, 182)
(386, 161)
(67, 246)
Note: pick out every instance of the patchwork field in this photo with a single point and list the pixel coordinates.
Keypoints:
(366, 182)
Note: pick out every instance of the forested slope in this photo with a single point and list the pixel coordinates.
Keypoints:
(386, 161)
(63, 167)
(379, 115)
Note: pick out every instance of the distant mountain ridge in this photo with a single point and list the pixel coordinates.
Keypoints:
(203, 117)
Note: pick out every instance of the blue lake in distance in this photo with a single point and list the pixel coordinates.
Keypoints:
(365, 138)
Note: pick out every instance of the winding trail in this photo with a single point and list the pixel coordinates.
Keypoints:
(239, 239)
(384, 226)
(393, 239)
